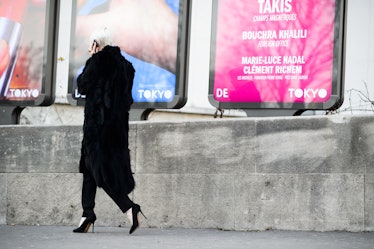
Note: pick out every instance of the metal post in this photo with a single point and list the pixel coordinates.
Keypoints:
(10, 115)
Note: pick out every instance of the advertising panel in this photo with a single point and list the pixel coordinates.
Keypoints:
(152, 35)
(277, 54)
(27, 51)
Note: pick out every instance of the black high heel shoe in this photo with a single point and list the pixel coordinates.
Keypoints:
(85, 225)
(135, 217)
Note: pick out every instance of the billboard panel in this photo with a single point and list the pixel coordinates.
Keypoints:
(27, 52)
(152, 35)
(277, 54)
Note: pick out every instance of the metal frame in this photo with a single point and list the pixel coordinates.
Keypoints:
(47, 94)
(337, 97)
(180, 97)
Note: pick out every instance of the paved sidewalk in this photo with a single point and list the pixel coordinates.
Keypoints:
(54, 237)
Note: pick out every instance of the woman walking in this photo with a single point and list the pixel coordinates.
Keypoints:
(106, 80)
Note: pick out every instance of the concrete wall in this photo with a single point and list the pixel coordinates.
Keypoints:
(305, 173)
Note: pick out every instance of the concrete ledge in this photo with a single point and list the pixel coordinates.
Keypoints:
(305, 173)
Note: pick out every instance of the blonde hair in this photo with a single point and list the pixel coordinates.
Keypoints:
(102, 36)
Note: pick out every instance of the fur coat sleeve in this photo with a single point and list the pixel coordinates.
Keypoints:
(107, 81)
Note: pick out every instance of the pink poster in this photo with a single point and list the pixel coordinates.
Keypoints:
(274, 51)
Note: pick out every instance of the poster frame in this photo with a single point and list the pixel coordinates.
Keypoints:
(180, 97)
(49, 65)
(337, 96)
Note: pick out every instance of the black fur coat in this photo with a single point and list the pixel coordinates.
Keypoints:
(107, 80)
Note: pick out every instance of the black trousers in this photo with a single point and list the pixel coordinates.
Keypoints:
(89, 193)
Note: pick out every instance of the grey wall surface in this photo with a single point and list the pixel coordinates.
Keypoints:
(305, 173)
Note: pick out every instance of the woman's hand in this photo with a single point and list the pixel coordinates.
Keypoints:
(94, 48)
